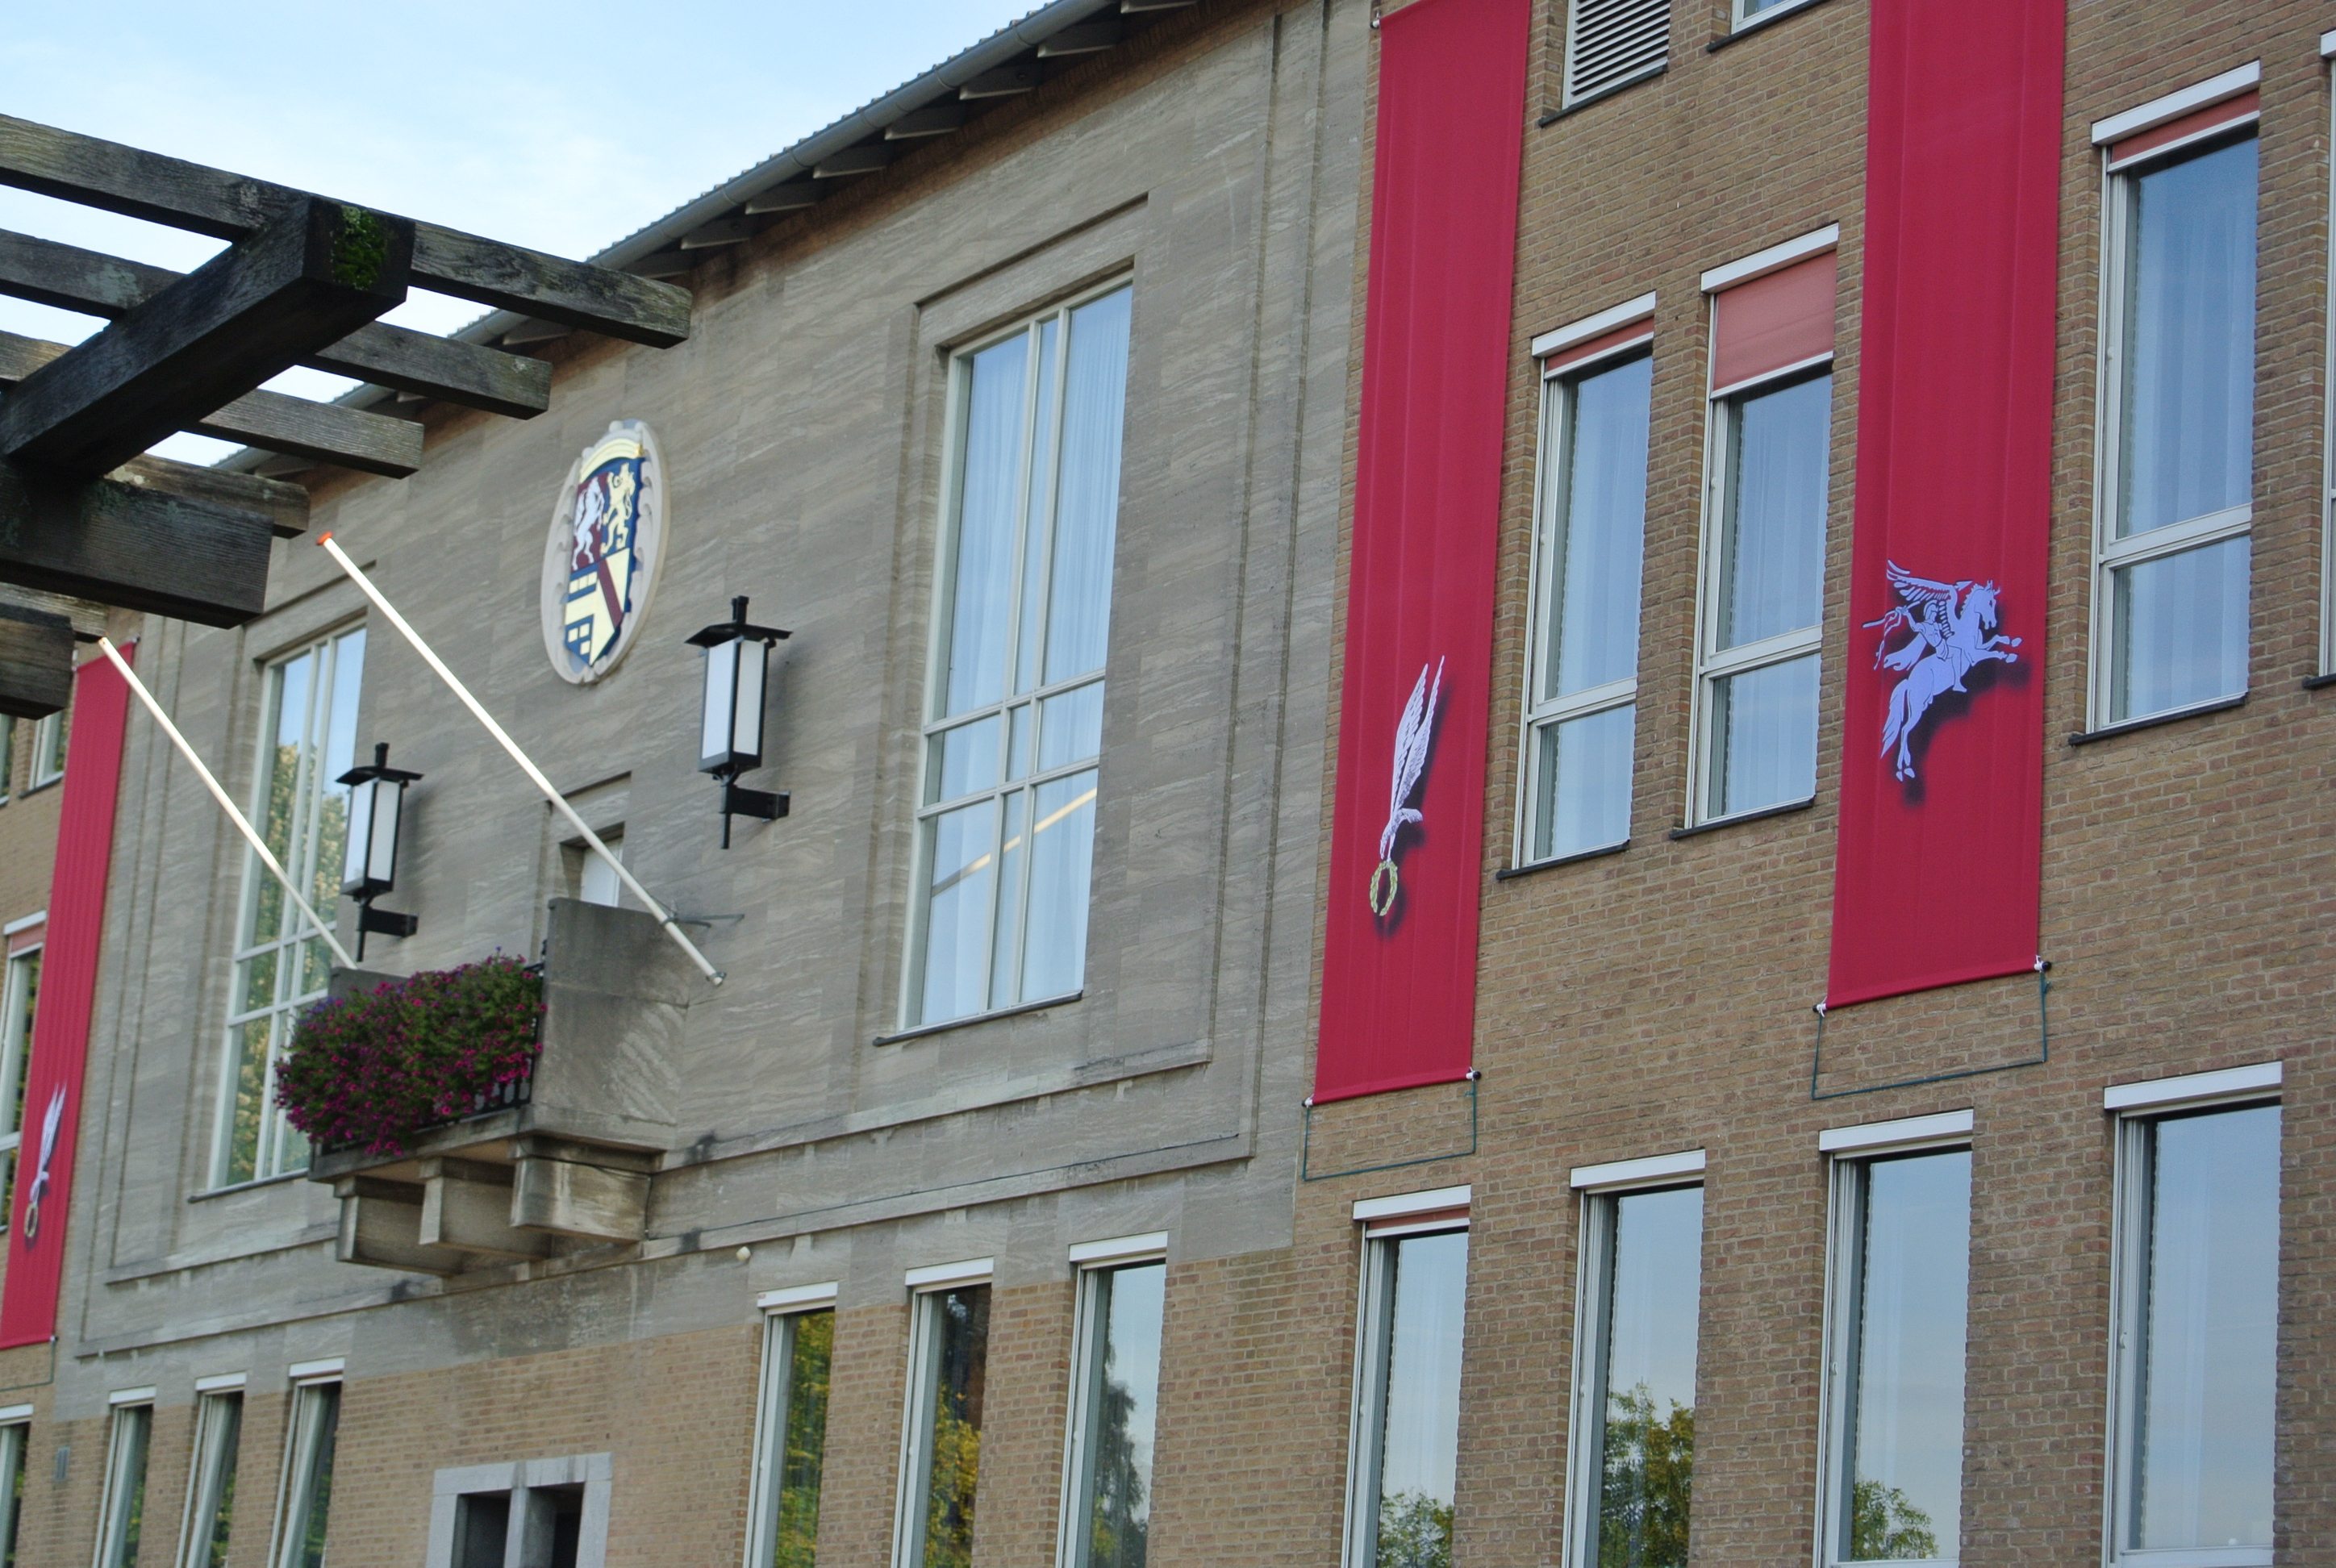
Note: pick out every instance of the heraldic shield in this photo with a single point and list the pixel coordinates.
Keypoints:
(600, 560)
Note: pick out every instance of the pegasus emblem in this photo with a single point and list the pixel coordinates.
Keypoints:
(1952, 632)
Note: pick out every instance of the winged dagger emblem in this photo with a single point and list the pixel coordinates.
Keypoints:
(50, 1122)
(1413, 733)
(1953, 632)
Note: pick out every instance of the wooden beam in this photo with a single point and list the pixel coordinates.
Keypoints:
(271, 421)
(131, 547)
(36, 662)
(932, 119)
(259, 308)
(85, 616)
(286, 506)
(128, 179)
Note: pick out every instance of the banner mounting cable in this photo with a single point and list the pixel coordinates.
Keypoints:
(2043, 1049)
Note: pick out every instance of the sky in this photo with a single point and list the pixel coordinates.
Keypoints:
(563, 128)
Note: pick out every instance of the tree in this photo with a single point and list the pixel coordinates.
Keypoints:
(1415, 1531)
(1884, 1525)
(1648, 1475)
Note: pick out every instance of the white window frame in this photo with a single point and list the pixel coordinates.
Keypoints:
(909, 1011)
(926, 1286)
(2328, 427)
(2135, 1109)
(129, 1411)
(7, 791)
(1552, 466)
(48, 736)
(1090, 1262)
(528, 1538)
(15, 1443)
(782, 1310)
(1596, 1188)
(301, 1447)
(1718, 445)
(2110, 553)
(1385, 1222)
(211, 1467)
(15, 1060)
(1848, 1152)
(1740, 20)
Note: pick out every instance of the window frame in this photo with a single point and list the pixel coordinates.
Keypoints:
(1552, 471)
(1712, 666)
(1598, 1189)
(926, 1287)
(129, 1441)
(15, 1062)
(1385, 1223)
(1850, 1154)
(7, 759)
(2136, 1110)
(15, 1445)
(932, 724)
(302, 1448)
(2120, 180)
(782, 1311)
(1091, 1264)
(1739, 20)
(50, 735)
(212, 1467)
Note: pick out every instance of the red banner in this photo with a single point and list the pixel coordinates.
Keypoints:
(1939, 874)
(69, 958)
(1399, 944)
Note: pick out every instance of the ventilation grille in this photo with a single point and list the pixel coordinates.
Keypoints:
(1609, 43)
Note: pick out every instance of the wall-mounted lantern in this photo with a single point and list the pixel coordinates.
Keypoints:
(730, 722)
(376, 805)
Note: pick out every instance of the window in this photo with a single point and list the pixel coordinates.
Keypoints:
(1770, 448)
(596, 880)
(1749, 12)
(14, 1438)
(49, 738)
(280, 966)
(1582, 701)
(1890, 1485)
(1115, 1401)
(7, 758)
(949, 1369)
(1632, 1454)
(210, 1502)
(535, 1514)
(121, 1509)
(791, 1433)
(1406, 1444)
(304, 1513)
(1007, 830)
(19, 997)
(2177, 475)
(2197, 1336)
(1610, 43)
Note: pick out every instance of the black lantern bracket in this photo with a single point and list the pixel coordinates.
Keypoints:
(724, 750)
(362, 884)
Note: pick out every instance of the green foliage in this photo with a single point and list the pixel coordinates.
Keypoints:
(361, 249)
(795, 1543)
(370, 1071)
(1415, 1531)
(949, 1503)
(1649, 1474)
(1118, 1525)
(1885, 1526)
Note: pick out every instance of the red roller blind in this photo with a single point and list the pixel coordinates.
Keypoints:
(1785, 318)
(2201, 122)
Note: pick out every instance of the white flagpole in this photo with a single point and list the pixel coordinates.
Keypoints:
(267, 857)
(559, 801)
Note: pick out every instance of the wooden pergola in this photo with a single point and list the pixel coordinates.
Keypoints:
(86, 521)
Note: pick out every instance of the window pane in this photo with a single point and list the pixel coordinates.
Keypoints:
(222, 1436)
(1062, 861)
(1087, 510)
(1595, 555)
(125, 1488)
(1772, 553)
(1906, 1491)
(1121, 1416)
(1006, 942)
(2181, 629)
(962, 760)
(958, 850)
(2208, 1390)
(990, 504)
(2190, 355)
(1585, 782)
(279, 791)
(1044, 419)
(23, 994)
(1765, 736)
(1070, 727)
(794, 1537)
(313, 1485)
(339, 740)
(959, 1351)
(1420, 1443)
(12, 1489)
(1646, 1449)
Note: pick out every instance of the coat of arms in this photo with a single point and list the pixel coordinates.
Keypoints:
(602, 559)
(1952, 626)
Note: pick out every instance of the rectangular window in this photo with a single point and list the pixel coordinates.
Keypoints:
(1406, 1445)
(307, 742)
(2177, 478)
(7, 758)
(1632, 1457)
(1610, 43)
(791, 1438)
(210, 1502)
(1891, 1487)
(19, 998)
(949, 1364)
(2198, 1336)
(1583, 675)
(122, 1516)
(1115, 1399)
(304, 1513)
(14, 1438)
(49, 738)
(1748, 11)
(1023, 613)
(1770, 459)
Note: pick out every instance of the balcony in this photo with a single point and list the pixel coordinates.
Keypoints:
(564, 1160)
